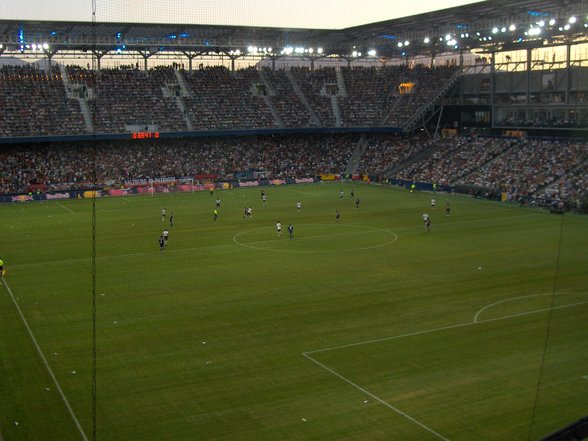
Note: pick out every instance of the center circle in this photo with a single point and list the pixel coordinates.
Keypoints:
(316, 238)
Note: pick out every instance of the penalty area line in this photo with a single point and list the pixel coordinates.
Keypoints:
(40, 352)
(378, 399)
(64, 207)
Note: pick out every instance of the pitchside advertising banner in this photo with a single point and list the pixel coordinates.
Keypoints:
(150, 187)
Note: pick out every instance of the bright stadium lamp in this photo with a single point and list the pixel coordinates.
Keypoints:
(552, 22)
(494, 30)
(372, 52)
(427, 40)
(320, 50)
(572, 20)
(512, 28)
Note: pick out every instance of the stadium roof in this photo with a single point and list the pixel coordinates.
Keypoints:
(490, 25)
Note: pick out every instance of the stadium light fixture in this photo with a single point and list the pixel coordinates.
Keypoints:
(320, 50)
(495, 30)
(512, 28)
(552, 22)
(448, 37)
(503, 29)
(541, 23)
(310, 50)
(299, 50)
(372, 52)
(572, 20)
(354, 54)
(427, 40)
(567, 27)
(400, 44)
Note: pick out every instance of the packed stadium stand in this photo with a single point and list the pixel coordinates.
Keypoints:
(488, 126)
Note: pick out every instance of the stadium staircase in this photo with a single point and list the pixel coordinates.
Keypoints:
(392, 171)
(392, 111)
(355, 159)
(184, 112)
(341, 83)
(413, 122)
(79, 93)
(303, 98)
(277, 118)
(270, 91)
(184, 91)
(497, 158)
(336, 111)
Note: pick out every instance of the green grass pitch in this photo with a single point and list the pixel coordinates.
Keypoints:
(366, 329)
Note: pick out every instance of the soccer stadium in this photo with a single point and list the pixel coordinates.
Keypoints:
(360, 225)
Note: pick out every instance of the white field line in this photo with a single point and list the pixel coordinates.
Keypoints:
(378, 399)
(443, 328)
(369, 230)
(51, 374)
(526, 297)
(64, 207)
(475, 322)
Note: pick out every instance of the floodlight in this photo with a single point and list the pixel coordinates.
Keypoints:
(250, 49)
(45, 46)
(572, 20)
(310, 51)
(512, 27)
(567, 27)
(503, 29)
(372, 52)
(354, 54)
(552, 22)
(494, 30)
(448, 37)
(541, 23)
(400, 44)
(320, 50)
(406, 43)
(427, 40)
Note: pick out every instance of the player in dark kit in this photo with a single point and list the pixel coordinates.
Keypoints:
(447, 209)
(337, 215)
(161, 243)
(357, 203)
(291, 231)
(428, 224)
(171, 220)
